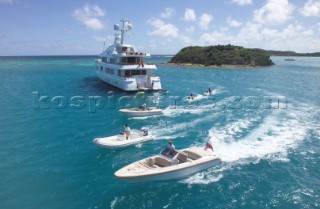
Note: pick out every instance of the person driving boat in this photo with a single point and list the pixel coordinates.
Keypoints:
(127, 131)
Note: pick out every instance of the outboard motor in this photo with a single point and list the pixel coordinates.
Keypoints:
(144, 132)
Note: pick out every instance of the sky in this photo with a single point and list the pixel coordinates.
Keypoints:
(79, 27)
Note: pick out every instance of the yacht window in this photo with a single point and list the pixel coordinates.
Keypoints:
(124, 60)
(135, 72)
(119, 73)
(101, 68)
(124, 49)
(143, 72)
(127, 73)
(131, 60)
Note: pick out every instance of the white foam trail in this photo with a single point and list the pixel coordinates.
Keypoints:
(170, 137)
(166, 131)
(196, 97)
(203, 178)
(139, 145)
(115, 201)
(274, 136)
(213, 92)
(192, 109)
(142, 118)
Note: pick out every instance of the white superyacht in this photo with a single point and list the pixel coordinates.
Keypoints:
(122, 65)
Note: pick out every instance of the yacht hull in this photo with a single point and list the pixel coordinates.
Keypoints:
(132, 84)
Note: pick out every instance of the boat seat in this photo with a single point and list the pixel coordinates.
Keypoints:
(192, 155)
(182, 158)
(161, 162)
(149, 162)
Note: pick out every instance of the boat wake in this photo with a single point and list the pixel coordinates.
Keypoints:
(165, 130)
(246, 141)
(195, 98)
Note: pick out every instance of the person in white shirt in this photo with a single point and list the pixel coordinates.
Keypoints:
(143, 106)
(171, 146)
(127, 131)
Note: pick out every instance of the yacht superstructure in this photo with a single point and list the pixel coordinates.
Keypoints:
(122, 65)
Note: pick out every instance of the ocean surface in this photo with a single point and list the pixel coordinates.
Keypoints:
(264, 123)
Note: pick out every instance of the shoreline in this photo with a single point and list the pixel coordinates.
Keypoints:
(211, 66)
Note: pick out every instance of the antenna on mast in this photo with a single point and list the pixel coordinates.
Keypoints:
(126, 26)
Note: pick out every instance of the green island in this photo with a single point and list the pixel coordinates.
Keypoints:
(221, 56)
(291, 53)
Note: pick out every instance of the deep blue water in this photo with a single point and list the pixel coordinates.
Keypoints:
(263, 123)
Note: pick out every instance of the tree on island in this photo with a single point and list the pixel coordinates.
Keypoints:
(222, 55)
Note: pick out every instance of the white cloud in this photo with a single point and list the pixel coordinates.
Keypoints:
(217, 37)
(88, 15)
(311, 8)
(317, 27)
(308, 32)
(242, 2)
(185, 39)
(168, 13)
(233, 23)
(249, 33)
(205, 20)
(274, 12)
(253, 35)
(162, 29)
(190, 15)
(189, 29)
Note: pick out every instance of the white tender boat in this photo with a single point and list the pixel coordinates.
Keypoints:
(120, 139)
(169, 164)
(122, 65)
(140, 112)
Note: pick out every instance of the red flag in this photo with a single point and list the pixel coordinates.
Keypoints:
(141, 62)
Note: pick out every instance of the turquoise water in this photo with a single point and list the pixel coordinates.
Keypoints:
(263, 123)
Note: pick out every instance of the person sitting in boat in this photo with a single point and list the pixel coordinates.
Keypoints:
(208, 146)
(209, 91)
(143, 106)
(171, 147)
(127, 131)
(191, 96)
